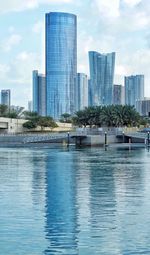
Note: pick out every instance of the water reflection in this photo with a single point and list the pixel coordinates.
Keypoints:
(61, 223)
(74, 202)
(94, 203)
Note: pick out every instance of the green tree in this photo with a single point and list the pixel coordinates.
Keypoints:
(30, 115)
(65, 118)
(110, 116)
(80, 119)
(46, 122)
(3, 110)
(30, 124)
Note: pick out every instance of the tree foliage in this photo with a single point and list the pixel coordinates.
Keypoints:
(111, 116)
(35, 120)
(30, 124)
(10, 112)
(3, 110)
(31, 115)
(46, 122)
(66, 118)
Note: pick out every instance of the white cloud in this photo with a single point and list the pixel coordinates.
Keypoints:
(121, 70)
(132, 2)
(4, 69)
(20, 5)
(38, 27)
(9, 43)
(11, 29)
(108, 8)
(18, 76)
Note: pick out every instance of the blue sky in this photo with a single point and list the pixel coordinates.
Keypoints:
(103, 25)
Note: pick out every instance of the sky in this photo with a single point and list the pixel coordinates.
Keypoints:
(105, 26)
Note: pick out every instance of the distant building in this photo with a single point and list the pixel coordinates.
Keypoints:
(89, 93)
(134, 89)
(30, 107)
(118, 94)
(81, 91)
(39, 93)
(101, 77)
(6, 97)
(61, 63)
(143, 106)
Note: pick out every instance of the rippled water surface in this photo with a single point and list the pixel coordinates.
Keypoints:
(74, 202)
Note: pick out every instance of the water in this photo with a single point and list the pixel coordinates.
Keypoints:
(77, 202)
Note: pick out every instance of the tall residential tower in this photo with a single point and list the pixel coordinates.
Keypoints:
(118, 94)
(6, 97)
(101, 77)
(134, 89)
(81, 91)
(39, 93)
(61, 63)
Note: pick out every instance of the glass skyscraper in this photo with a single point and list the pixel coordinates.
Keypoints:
(118, 93)
(39, 93)
(143, 106)
(101, 77)
(81, 91)
(5, 97)
(134, 89)
(61, 63)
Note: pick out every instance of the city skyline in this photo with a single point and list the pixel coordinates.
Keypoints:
(108, 29)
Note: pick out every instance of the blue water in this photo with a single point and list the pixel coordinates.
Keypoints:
(74, 202)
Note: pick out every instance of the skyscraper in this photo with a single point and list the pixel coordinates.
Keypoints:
(81, 91)
(101, 77)
(61, 63)
(89, 93)
(143, 106)
(118, 92)
(39, 93)
(134, 89)
(6, 97)
(30, 106)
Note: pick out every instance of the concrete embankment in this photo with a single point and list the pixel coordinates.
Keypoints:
(89, 140)
(12, 138)
(96, 140)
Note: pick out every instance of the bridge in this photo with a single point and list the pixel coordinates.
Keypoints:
(79, 138)
(39, 138)
(43, 138)
(135, 137)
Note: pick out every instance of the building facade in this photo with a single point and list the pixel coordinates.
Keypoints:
(143, 106)
(30, 106)
(39, 93)
(134, 89)
(81, 91)
(6, 97)
(118, 94)
(61, 63)
(101, 77)
(89, 93)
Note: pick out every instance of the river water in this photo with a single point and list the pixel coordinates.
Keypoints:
(55, 200)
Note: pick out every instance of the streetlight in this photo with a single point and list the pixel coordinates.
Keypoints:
(148, 138)
(123, 136)
(105, 138)
(68, 139)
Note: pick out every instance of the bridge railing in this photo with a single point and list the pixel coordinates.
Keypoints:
(137, 135)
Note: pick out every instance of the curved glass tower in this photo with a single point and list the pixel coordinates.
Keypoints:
(101, 77)
(61, 63)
